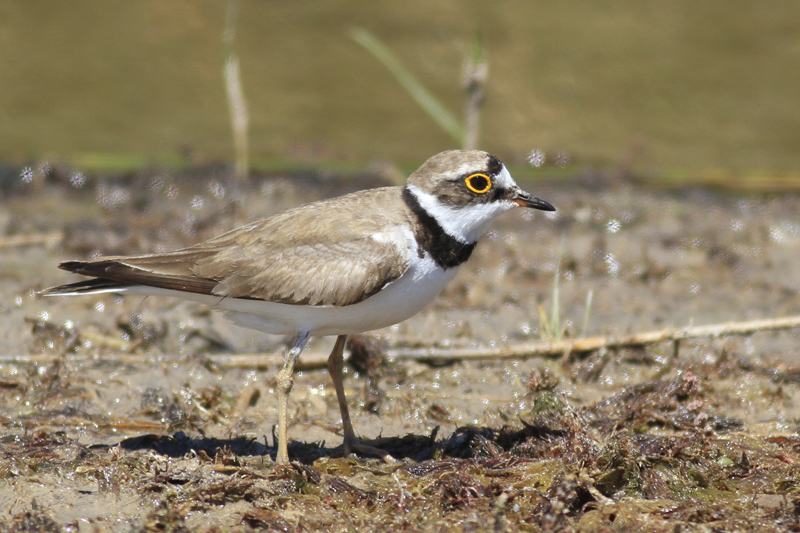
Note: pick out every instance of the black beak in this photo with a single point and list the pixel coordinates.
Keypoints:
(528, 200)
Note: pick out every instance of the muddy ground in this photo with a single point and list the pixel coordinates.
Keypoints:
(132, 414)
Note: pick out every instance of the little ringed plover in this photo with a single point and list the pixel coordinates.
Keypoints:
(346, 265)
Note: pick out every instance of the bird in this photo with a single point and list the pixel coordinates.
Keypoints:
(340, 266)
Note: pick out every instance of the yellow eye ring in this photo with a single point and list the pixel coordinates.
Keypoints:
(478, 183)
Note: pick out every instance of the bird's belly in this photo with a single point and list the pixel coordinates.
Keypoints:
(394, 303)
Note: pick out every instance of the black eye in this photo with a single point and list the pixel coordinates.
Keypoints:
(478, 183)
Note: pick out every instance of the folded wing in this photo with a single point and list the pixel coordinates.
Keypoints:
(319, 254)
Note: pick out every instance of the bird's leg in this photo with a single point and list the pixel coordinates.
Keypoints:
(335, 365)
(285, 381)
(351, 442)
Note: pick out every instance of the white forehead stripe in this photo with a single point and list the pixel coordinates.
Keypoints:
(467, 223)
(504, 179)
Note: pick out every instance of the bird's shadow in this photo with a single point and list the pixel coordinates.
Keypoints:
(465, 442)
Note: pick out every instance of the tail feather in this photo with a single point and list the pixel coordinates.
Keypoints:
(87, 286)
(112, 274)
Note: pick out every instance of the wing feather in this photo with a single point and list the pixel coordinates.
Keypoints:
(318, 254)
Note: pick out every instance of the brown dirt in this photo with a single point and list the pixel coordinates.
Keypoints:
(167, 439)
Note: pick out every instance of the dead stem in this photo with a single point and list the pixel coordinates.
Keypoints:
(315, 361)
(591, 344)
(49, 239)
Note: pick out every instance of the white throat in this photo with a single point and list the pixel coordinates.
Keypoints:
(465, 224)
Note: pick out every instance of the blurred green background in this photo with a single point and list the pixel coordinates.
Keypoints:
(646, 86)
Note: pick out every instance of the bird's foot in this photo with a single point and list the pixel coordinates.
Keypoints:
(361, 447)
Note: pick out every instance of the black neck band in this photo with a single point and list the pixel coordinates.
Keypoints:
(446, 250)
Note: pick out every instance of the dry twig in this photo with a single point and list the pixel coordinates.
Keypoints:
(313, 361)
(591, 344)
(49, 239)
(309, 361)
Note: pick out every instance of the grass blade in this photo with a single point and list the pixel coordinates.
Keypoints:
(429, 103)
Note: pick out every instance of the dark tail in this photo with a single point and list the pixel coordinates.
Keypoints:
(87, 286)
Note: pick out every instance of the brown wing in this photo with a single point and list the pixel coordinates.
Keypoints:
(326, 253)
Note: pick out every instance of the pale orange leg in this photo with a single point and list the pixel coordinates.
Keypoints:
(285, 381)
(351, 442)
